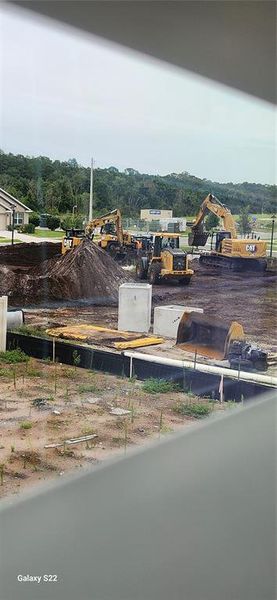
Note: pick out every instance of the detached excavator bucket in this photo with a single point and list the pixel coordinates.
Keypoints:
(197, 332)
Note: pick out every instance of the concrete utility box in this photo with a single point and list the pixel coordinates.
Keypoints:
(167, 318)
(134, 307)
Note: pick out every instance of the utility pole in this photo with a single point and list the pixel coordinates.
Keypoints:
(91, 192)
(272, 234)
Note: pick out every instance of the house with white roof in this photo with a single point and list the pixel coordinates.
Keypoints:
(11, 208)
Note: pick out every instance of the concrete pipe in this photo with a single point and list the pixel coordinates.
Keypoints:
(15, 318)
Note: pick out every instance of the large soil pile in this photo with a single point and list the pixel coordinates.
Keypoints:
(87, 272)
(28, 254)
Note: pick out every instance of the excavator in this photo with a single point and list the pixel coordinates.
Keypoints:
(161, 259)
(114, 240)
(230, 252)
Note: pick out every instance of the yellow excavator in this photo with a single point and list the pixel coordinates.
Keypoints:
(160, 258)
(113, 239)
(229, 252)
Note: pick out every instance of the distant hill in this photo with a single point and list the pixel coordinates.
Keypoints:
(46, 185)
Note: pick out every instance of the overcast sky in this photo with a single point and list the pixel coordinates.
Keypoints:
(65, 94)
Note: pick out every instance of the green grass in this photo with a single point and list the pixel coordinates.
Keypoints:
(14, 356)
(4, 240)
(48, 233)
(160, 386)
(199, 411)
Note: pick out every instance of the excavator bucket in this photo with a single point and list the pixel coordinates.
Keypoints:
(207, 336)
(197, 238)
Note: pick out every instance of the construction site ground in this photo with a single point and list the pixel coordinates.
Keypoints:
(42, 403)
(72, 402)
(248, 299)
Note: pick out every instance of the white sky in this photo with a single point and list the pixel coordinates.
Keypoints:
(65, 95)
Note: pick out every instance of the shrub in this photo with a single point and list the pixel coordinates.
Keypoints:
(52, 222)
(160, 386)
(34, 219)
(14, 356)
(193, 410)
(28, 228)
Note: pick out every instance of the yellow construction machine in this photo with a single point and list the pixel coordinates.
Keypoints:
(217, 339)
(114, 240)
(229, 252)
(161, 259)
(72, 238)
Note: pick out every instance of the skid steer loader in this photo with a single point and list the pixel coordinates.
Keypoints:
(216, 339)
(162, 260)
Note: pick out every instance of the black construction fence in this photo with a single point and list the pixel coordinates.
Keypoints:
(116, 363)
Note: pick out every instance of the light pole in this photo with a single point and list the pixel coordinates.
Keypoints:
(91, 192)
(73, 209)
(13, 211)
(272, 234)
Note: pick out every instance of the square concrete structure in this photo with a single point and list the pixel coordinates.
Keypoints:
(134, 307)
(167, 319)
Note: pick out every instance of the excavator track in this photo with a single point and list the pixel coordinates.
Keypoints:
(234, 264)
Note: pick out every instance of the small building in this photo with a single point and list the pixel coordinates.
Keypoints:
(10, 206)
(153, 214)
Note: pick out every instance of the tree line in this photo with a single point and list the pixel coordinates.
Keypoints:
(55, 187)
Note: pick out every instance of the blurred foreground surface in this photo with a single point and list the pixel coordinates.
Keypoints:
(192, 517)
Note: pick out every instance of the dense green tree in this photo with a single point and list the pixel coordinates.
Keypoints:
(55, 186)
(244, 221)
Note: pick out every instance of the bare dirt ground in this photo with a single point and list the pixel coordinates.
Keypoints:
(74, 402)
(248, 299)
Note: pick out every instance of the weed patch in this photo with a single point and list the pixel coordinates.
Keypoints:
(29, 330)
(198, 411)
(14, 356)
(26, 425)
(90, 387)
(160, 386)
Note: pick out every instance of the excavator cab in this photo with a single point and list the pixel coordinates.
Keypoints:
(221, 235)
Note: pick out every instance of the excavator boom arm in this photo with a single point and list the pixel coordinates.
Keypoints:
(212, 204)
(112, 217)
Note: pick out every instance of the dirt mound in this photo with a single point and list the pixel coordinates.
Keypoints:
(87, 272)
(28, 254)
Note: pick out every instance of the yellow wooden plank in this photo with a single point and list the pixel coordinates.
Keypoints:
(150, 341)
